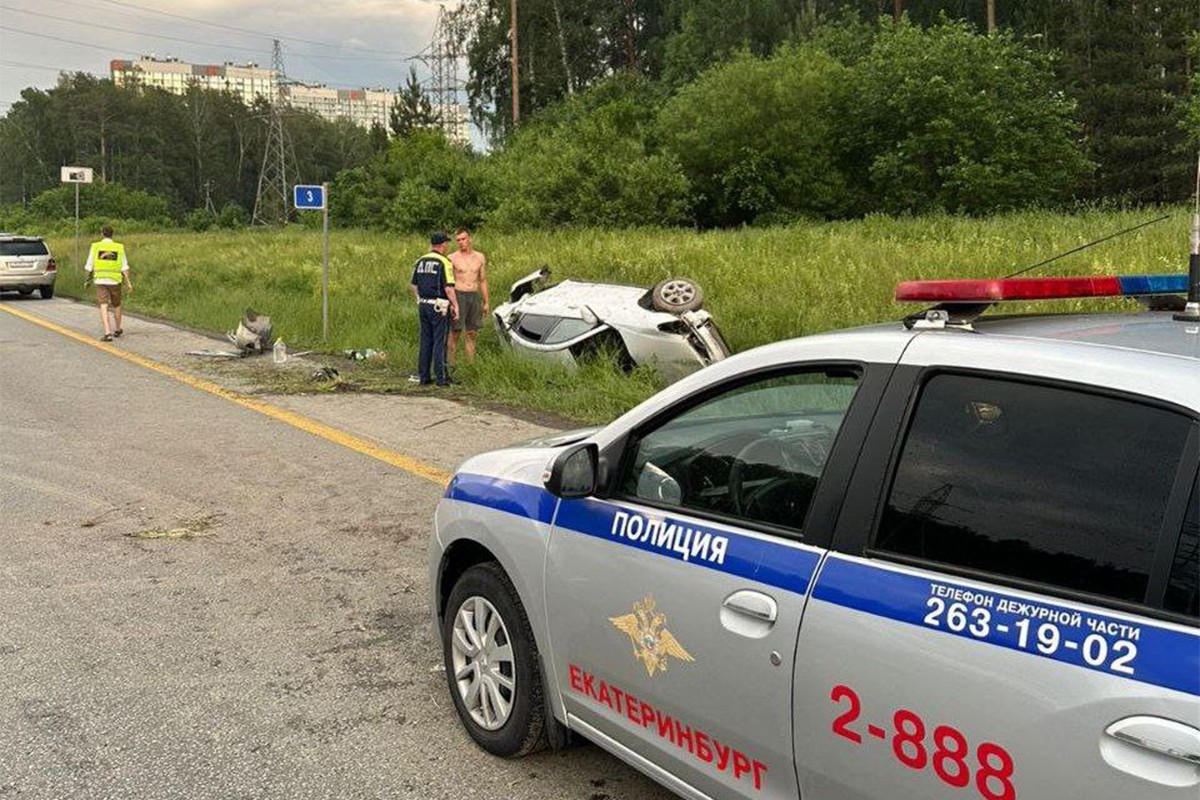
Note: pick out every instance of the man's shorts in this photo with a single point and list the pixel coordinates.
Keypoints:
(470, 311)
(108, 294)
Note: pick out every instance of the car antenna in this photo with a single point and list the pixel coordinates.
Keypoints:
(1086, 246)
(1191, 311)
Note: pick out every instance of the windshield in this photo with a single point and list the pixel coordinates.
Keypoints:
(23, 247)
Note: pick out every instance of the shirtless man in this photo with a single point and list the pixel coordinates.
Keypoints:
(470, 280)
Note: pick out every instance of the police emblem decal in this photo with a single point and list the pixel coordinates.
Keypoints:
(653, 644)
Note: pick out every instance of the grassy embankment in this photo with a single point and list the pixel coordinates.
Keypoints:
(762, 285)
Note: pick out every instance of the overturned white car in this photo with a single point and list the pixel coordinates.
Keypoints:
(663, 326)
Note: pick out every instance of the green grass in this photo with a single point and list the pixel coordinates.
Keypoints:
(761, 285)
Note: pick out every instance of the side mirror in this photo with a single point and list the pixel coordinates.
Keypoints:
(573, 473)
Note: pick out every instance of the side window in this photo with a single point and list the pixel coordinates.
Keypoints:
(754, 452)
(1034, 482)
(1183, 585)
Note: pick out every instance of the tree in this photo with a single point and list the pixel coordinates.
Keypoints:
(421, 183)
(411, 111)
(945, 118)
(586, 161)
(1126, 64)
(202, 145)
(706, 32)
(755, 138)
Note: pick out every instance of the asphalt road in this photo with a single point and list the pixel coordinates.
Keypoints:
(203, 602)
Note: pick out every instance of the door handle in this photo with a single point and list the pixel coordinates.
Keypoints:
(753, 604)
(1163, 736)
(1154, 749)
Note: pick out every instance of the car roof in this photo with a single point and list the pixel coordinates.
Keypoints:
(1149, 331)
(16, 237)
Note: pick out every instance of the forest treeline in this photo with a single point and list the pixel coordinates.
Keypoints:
(688, 112)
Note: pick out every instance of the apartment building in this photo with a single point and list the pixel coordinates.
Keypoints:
(249, 81)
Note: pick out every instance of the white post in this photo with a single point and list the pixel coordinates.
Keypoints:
(78, 266)
(325, 266)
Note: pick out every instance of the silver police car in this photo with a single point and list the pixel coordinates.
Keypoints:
(950, 558)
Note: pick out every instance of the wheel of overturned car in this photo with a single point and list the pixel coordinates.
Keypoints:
(677, 295)
(492, 663)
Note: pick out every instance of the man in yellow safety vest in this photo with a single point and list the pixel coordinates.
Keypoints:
(107, 267)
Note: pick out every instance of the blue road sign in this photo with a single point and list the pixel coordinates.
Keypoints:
(308, 197)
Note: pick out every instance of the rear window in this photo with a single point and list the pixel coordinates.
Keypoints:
(24, 247)
(1038, 483)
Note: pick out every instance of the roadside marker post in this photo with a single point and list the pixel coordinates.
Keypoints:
(76, 175)
(314, 198)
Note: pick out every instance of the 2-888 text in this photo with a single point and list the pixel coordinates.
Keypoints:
(946, 750)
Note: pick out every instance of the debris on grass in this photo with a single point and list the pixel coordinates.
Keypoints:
(253, 333)
(368, 354)
(325, 373)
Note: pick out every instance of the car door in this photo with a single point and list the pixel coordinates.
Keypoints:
(1011, 611)
(674, 603)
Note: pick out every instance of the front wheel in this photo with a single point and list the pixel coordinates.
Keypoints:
(492, 664)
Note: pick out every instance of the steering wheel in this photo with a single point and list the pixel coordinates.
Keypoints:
(784, 460)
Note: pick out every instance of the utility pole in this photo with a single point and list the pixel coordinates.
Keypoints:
(991, 17)
(516, 91)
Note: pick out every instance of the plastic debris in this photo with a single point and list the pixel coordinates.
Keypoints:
(364, 355)
(253, 332)
(325, 373)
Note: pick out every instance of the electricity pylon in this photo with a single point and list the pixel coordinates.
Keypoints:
(271, 203)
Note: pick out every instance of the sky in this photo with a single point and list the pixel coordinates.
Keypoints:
(341, 43)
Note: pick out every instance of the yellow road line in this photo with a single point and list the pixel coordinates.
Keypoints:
(355, 443)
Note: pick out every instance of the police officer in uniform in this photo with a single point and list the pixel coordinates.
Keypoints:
(433, 288)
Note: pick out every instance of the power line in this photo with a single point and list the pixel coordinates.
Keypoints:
(168, 37)
(250, 31)
(10, 29)
(8, 63)
(127, 30)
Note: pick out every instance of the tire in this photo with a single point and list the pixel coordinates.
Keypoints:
(677, 295)
(483, 591)
(24, 292)
(46, 291)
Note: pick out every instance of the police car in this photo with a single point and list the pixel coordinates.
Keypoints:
(954, 558)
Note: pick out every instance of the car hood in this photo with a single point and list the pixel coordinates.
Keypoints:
(559, 439)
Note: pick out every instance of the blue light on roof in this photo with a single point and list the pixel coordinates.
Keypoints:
(1153, 284)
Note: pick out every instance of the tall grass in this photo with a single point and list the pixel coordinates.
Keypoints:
(761, 285)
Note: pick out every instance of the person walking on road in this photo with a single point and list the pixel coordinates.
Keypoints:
(433, 287)
(107, 267)
(470, 283)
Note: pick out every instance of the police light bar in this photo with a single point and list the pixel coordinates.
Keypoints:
(994, 290)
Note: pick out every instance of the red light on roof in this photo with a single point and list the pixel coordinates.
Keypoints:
(996, 289)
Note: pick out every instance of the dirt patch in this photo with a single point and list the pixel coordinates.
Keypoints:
(190, 529)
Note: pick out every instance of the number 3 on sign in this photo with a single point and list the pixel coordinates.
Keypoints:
(308, 195)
